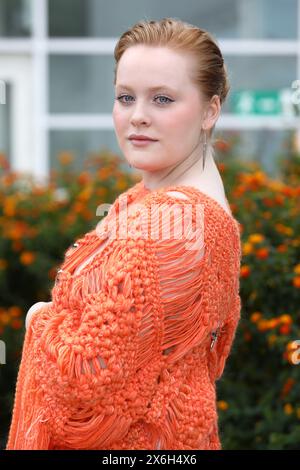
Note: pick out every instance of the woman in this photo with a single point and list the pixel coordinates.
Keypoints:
(140, 326)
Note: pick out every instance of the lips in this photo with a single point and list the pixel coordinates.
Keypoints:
(142, 142)
(141, 137)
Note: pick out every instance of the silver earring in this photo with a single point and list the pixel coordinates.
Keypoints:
(204, 151)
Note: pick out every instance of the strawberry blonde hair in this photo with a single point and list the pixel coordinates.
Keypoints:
(209, 73)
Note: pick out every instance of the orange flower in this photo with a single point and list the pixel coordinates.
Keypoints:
(121, 184)
(245, 270)
(255, 317)
(84, 178)
(3, 264)
(287, 191)
(288, 409)
(289, 231)
(4, 163)
(262, 253)
(9, 207)
(273, 323)
(221, 145)
(16, 324)
(287, 387)
(287, 319)
(276, 185)
(87, 214)
(268, 202)
(27, 257)
(247, 248)
(258, 178)
(15, 311)
(263, 325)
(282, 248)
(285, 329)
(16, 231)
(104, 173)
(256, 238)
(238, 191)
(279, 199)
(222, 167)
(65, 158)
(85, 194)
(297, 269)
(78, 207)
(223, 405)
(102, 192)
(296, 282)
(4, 318)
(281, 228)
(9, 179)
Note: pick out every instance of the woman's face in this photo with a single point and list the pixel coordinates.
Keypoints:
(172, 114)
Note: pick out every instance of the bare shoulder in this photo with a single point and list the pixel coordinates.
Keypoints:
(178, 194)
(214, 191)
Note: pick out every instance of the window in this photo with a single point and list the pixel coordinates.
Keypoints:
(241, 19)
(81, 83)
(274, 72)
(60, 56)
(15, 18)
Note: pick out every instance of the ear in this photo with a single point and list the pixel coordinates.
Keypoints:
(212, 112)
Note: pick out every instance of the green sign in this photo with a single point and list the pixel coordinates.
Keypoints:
(263, 102)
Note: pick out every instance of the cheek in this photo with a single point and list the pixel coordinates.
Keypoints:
(175, 129)
(119, 119)
(183, 119)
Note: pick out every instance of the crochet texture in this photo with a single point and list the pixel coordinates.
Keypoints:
(127, 354)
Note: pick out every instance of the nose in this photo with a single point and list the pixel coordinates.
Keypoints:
(139, 116)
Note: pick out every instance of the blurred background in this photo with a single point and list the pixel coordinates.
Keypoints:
(59, 159)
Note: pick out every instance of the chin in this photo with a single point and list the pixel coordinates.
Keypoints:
(139, 164)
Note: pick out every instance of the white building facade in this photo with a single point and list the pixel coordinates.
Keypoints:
(56, 73)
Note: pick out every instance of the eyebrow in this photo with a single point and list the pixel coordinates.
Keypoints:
(154, 88)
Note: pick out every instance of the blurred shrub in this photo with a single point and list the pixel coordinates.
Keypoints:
(258, 394)
(37, 224)
(261, 382)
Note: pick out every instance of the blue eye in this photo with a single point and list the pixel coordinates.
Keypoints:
(162, 96)
(119, 98)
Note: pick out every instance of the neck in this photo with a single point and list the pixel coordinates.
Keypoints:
(187, 171)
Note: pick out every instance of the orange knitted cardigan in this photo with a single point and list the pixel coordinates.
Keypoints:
(127, 353)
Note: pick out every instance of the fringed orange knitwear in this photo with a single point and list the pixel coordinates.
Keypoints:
(127, 353)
